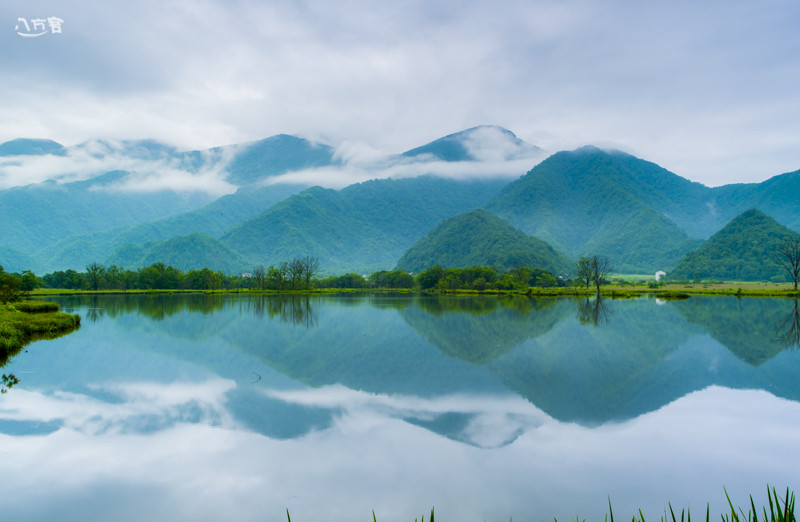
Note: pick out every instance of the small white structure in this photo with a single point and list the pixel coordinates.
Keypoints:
(660, 274)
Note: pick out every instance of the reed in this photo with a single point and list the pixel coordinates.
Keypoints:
(781, 509)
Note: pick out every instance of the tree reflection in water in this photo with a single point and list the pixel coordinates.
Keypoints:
(294, 309)
(593, 311)
(789, 331)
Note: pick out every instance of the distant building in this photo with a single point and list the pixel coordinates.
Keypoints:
(660, 274)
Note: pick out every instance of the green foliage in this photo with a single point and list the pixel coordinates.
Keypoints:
(190, 252)
(391, 279)
(343, 281)
(485, 278)
(37, 216)
(781, 509)
(363, 227)
(744, 250)
(481, 238)
(34, 307)
(18, 328)
(609, 203)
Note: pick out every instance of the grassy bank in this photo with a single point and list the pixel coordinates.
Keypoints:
(26, 321)
(669, 291)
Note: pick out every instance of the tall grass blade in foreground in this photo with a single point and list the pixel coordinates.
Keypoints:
(780, 510)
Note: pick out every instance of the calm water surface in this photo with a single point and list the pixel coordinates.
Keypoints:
(237, 408)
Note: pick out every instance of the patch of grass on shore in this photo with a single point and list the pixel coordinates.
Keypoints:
(27, 321)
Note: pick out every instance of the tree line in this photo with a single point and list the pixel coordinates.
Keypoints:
(439, 278)
(297, 274)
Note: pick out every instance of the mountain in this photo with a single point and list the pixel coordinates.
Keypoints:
(26, 147)
(479, 238)
(213, 219)
(276, 155)
(13, 260)
(36, 216)
(477, 143)
(778, 197)
(58, 224)
(363, 227)
(190, 252)
(744, 250)
(591, 201)
(101, 195)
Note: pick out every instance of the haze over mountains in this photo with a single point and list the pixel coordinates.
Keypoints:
(233, 207)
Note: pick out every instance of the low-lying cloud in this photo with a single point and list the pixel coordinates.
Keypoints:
(151, 166)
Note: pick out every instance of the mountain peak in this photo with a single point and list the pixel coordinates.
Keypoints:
(30, 147)
(743, 250)
(276, 155)
(481, 143)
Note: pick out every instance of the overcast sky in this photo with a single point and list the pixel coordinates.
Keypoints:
(708, 89)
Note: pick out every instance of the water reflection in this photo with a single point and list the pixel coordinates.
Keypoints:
(396, 402)
(789, 330)
(646, 355)
(479, 330)
(294, 309)
(753, 329)
(593, 311)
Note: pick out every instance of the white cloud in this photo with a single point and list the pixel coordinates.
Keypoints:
(705, 89)
(144, 174)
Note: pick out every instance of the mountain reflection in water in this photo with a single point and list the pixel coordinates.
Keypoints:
(579, 360)
(334, 405)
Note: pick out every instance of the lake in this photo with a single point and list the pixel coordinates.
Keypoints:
(193, 407)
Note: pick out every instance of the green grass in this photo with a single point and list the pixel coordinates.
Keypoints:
(26, 321)
(36, 307)
(781, 509)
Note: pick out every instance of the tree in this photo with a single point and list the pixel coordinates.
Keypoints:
(9, 285)
(296, 270)
(260, 276)
(430, 277)
(94, 274)
(310, 268)
(583, 271)
(601, 267)
(788, 256)
(114, 277)
(522, 275)
(276, 277)
(29, 282)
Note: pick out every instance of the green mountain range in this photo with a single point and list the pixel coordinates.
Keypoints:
(641, 216)
(590, 201)
(744, 250)
(36, 216)
(479, 238)
(193, 251)
(213, 220)
(364, 227)
(583, 202)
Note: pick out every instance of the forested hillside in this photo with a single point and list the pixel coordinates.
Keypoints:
(743, 250)
(479, 238)
(363, 227)
(590, 201)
